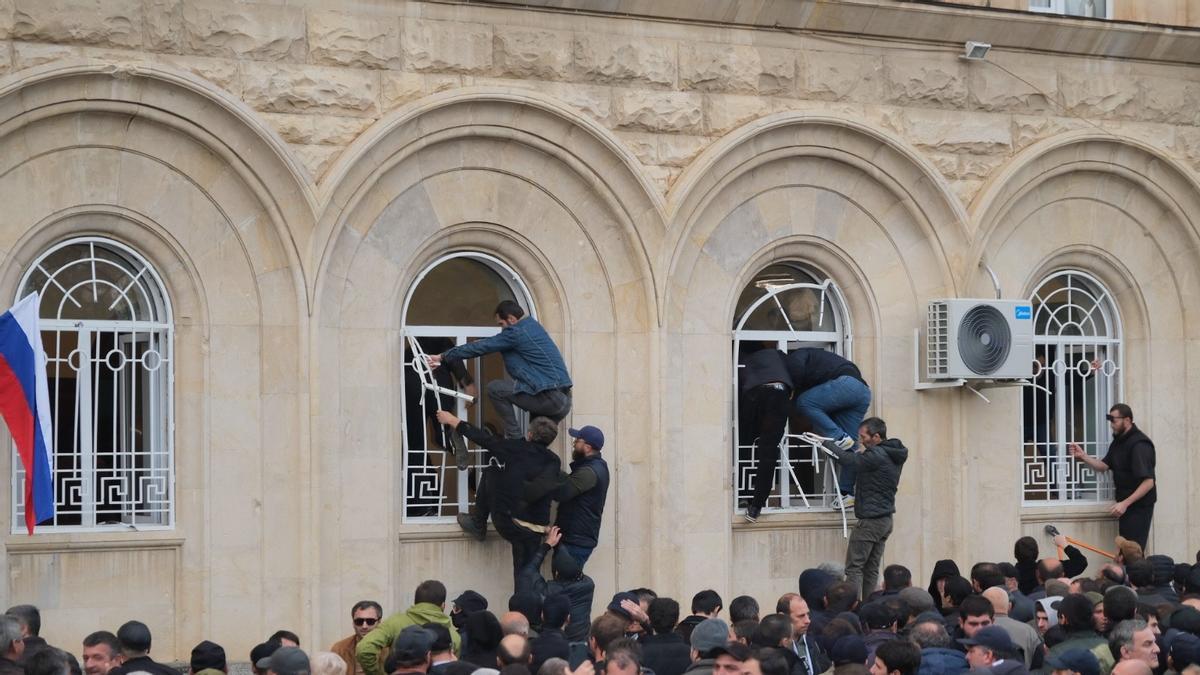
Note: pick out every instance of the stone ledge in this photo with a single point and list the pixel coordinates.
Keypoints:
(90, 541)
(909, 20)
(794, 521)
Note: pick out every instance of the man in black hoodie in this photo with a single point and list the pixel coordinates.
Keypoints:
(521, 492)
(569, 580)
(1131, 459)
(878, 464)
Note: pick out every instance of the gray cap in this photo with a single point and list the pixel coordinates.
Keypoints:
(710, 634)
(286, 661)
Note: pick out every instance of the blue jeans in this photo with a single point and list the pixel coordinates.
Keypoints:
(580, 553)
(836, 409)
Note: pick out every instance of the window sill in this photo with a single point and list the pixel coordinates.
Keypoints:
(1073, 513)
(793, 520)
(92, 541)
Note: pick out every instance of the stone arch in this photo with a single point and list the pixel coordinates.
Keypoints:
(175, 168)
(554, 197)
(1125, 213)
(867, 210)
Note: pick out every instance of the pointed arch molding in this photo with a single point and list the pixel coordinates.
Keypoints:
(184, 104)
(1128, 202)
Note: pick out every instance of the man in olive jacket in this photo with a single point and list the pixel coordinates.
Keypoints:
(878, 463)
(429, 606)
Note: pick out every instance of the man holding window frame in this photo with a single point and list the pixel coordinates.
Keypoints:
(1131, 459)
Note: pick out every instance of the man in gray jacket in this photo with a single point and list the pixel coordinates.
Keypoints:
(878, 463)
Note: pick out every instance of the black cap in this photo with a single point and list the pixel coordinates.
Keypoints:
(1080, 661)
(286, 661)
(848, 649)
(470, 601)
(208, 655)
(615, 605)
(262, 651)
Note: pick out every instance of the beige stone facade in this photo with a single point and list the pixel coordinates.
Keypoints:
(290, 167)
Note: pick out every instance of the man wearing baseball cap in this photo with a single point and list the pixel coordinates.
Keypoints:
(991, 649)
(582, 494)
(285, 661)
(1073, 662)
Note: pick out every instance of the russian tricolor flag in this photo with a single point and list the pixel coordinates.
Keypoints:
(25, 404)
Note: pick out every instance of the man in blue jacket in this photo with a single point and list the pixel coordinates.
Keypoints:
(540, 384)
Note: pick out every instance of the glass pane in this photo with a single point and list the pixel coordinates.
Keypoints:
(798, 309)
(459, 292)
(90, 281)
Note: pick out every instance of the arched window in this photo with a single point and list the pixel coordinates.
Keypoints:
(451, 303)
(1077, 349)
(787, 305)
(107, 331)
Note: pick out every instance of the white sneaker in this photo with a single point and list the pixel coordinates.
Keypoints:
(843, 502)
(845, 443)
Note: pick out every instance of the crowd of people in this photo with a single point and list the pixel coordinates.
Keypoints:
(1137, 615)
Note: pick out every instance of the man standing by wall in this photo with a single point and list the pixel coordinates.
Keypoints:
(582, 496)
(1131, 459)
(363, 615)
(878, 464)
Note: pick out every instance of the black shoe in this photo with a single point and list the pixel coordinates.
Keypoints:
(462, 456)
(468, 525)
(751, 514)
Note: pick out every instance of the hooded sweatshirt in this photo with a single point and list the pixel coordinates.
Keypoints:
(389, 629)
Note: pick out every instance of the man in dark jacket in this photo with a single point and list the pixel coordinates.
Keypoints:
(992, 650)
(765, 392)
(520, 493)
(551, 642)
(1032, 574)
(832, 394)
(569, 580)
(1131, 459)
(665, 651)
(878, 464)
(135, 640)
(582, 493)
(937, 656)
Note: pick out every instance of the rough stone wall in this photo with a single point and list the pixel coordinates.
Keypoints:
(322, 76)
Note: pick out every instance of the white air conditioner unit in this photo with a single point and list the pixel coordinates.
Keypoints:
(979, 339)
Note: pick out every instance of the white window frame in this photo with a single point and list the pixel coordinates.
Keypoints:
(1059, 7)
(157, 328)
(1052, 469)
(447, 511)
(788, 491)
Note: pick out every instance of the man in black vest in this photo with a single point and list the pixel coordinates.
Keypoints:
(1131, 459)
(582, 494)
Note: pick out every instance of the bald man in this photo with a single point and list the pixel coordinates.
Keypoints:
(1022, 634)
(514, 623)
(514, 649)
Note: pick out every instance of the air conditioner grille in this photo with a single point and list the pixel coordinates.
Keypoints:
(984, 339)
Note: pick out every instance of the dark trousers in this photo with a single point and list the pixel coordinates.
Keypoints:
(524, 542)
(552, 403)
(1135, 524)
(767, 413)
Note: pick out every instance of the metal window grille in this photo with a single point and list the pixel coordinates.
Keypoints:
(786, 305)
(108, 336)
(450, 304)
(1078, 350)
(1097, 9)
